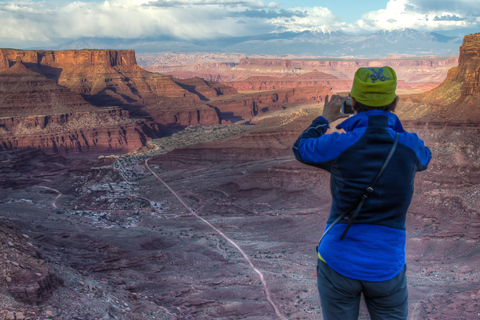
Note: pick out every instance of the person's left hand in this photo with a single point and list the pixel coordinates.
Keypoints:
(332, 109)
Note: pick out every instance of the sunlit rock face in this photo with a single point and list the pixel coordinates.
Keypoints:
(37, 112)
(456, 99)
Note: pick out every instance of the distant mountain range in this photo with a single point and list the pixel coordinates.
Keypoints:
(311, 43)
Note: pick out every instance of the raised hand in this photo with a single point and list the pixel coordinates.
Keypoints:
(332, 108)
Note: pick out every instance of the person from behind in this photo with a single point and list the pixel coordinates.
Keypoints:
(372, 168)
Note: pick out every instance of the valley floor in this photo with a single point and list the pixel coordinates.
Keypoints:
(124, 247)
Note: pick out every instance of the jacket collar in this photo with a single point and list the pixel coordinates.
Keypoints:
(361, 120)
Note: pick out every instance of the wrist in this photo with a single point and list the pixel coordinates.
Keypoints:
(327, 119)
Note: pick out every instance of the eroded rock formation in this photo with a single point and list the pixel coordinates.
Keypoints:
(46, 84)
(456, 99)
(24, 92)
(247, 107)
(181, 112)
(415, 72)
(28, 278)
(57, 100)
(37, 112)
(108, 77)
(103, 77)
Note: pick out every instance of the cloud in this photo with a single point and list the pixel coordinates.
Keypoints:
(425, 15)
(33, 22)
(44, 22)
(222, 3)
(29, 21)
(449, 18)
(307, 19)
(271, 14)
(460, 7)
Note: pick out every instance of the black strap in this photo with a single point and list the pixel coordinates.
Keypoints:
(364, 197)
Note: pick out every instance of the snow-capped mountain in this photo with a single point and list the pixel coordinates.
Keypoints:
(318, 42)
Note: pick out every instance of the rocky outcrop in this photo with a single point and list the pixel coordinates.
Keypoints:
(166, 112)
(100, 131)
(37, 112)
(25, 92)
(33, 287)
(468, 70)
(247, 107)
(28, 278)
(103, 77)
(206, 90)
(456, 99)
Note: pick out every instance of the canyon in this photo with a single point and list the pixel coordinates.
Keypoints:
(98, 100)
(100, 236)
(254, 73)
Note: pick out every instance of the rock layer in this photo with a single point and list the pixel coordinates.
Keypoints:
(104, 77)
(53, 83)
(238, 108)
(414, 71)
(25, 92)
(100, 131)
(456, 99)
(37, 112)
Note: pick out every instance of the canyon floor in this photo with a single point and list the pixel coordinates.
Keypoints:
(122, 245)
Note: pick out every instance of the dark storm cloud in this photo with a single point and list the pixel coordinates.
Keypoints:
(460, 7)
(449, 18)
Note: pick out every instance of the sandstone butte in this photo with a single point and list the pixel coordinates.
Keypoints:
(84, 100)
(37, 112)
(456, 99)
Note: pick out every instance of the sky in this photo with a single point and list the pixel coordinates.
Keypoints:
(26, 23)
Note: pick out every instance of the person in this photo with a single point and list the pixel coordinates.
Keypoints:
(369, 259)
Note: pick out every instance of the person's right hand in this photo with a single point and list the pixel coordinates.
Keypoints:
(332, 109)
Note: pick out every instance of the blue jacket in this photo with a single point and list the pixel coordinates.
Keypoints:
(374, 247)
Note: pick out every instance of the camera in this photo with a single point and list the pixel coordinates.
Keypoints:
(347, 107)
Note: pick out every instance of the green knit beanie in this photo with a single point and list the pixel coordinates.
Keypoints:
(374, 87)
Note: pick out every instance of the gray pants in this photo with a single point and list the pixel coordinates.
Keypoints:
(340, 296)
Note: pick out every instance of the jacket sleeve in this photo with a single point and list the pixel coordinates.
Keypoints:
(302, 150)
(424, 156)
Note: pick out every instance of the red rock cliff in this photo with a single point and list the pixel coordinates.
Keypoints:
(25, 92)
(108, 58)
(246, 107)
(468, 70)
(457, 99)
(37, 112)
(103, 77)
(99, 131)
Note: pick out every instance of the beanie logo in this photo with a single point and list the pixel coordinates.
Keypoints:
(377, 75)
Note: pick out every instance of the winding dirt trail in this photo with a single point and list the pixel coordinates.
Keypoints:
(55, 190)
(260, 274)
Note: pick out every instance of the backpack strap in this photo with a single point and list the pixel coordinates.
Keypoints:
(364, 197)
